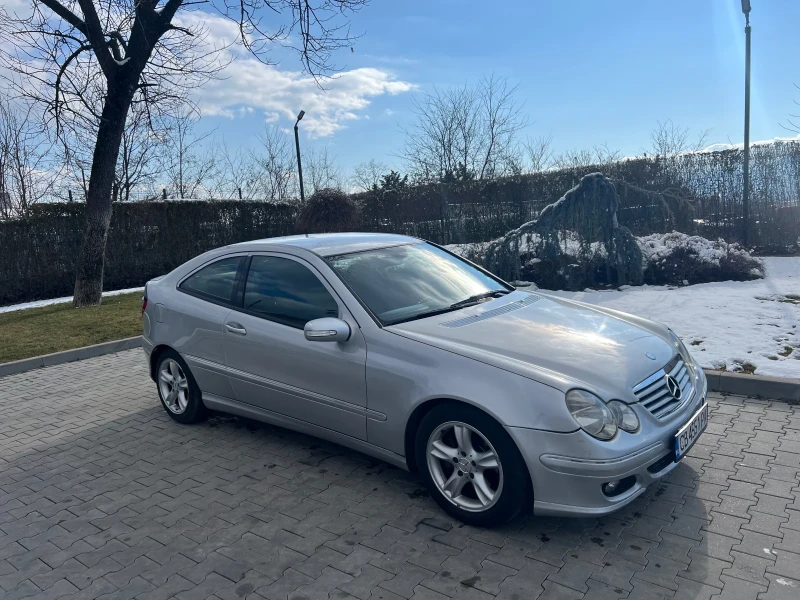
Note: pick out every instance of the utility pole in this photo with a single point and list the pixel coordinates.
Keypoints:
(297, 146)
(746, 193)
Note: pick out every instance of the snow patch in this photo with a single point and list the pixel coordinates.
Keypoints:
(38, 303)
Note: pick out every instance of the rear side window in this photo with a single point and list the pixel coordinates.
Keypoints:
(286, 292)
(215, 281)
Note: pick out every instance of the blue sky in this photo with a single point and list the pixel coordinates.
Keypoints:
(589, 72)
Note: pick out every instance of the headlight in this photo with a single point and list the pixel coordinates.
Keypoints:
(592, 414)
(625, 417)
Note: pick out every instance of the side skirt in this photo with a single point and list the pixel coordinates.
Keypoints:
(233, 407)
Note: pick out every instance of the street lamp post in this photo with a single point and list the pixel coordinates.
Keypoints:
(746, 193)
(299, 164)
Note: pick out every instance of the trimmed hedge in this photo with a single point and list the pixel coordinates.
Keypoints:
(145, 240)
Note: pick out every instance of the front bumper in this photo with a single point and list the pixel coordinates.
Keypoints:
(568, 469)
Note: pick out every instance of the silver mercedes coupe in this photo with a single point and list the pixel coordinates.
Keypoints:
(502, 400)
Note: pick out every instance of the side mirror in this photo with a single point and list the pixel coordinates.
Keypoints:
(327, 329)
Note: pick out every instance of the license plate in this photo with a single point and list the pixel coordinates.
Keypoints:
(688, 434)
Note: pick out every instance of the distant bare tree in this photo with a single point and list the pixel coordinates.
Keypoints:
(26, 172)
(141, 157)
(89, 61)
(321, 170)
(274, 164)
(367, 175)
(190, 165)
(574, 159)
(539, 153)
(236, 174)
(464, 132)
(669, 139)
(605, 155)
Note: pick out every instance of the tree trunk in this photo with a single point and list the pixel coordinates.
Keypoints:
(91, 257)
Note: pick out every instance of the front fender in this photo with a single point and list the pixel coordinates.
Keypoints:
(402, 374)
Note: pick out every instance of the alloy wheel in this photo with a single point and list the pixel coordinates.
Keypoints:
(173, 386)
(464, 466)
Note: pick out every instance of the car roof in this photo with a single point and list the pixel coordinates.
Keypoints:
(330, 244)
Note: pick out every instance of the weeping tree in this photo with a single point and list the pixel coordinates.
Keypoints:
(589, 211)
(89, 61)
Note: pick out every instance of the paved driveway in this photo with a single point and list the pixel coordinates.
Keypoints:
(102, 495)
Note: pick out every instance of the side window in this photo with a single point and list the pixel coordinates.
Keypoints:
(286, 292)
(214, 281)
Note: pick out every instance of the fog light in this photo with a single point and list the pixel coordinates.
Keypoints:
(618, 486)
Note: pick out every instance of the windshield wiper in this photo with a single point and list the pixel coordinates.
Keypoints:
(478, 297)
(461, 304)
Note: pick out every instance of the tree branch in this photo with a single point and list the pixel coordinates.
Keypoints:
(66, 14)
(94, 31)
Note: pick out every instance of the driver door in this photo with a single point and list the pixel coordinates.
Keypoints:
(273, 366)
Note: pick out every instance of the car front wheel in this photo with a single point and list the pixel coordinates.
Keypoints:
(471, 465)
(177, 389)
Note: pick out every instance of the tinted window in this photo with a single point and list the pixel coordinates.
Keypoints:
(287, 292)
(214, 281)
(401, 283)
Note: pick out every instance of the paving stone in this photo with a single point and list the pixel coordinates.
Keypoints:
(575, 574)
(781, 588)
(765, 524)
(362, 585)
(644, 590)
(406, 580)
(705, 569)
(555, 591)
(787, 564)
(738, 589)
(749, 567)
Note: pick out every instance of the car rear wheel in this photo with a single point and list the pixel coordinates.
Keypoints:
(471, 465)
(177, 389)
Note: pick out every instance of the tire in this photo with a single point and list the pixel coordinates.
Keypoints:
(186, 405)
(446, 431)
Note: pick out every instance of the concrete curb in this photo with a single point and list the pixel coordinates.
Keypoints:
(773, 388)
(58, 358)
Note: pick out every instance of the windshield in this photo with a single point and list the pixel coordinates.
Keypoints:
(408, 282)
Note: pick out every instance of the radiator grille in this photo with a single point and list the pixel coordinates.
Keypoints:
(654, 392)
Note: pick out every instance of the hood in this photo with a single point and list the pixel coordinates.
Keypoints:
(558, 342)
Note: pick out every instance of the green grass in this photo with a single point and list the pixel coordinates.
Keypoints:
(37, 331)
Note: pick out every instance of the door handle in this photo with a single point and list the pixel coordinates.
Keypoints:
(236, 328)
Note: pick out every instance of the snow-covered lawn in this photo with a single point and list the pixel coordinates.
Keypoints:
(726, 324)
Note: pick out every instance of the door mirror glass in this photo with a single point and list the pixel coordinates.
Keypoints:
(327, 329)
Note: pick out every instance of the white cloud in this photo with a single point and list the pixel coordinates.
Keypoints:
(247, 82)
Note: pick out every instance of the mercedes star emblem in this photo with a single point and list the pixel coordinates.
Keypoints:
(673, 387)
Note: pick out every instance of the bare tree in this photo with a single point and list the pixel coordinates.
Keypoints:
(464, 132)
(89, 60)
(367, 175)
(190, 164)
(321, 169)
(793, 122)
(575, 159)
(140, 155)
(539, 153)
(669, 139)
(27, 173)
(274, 164)
(605, 155)
(235, 177)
